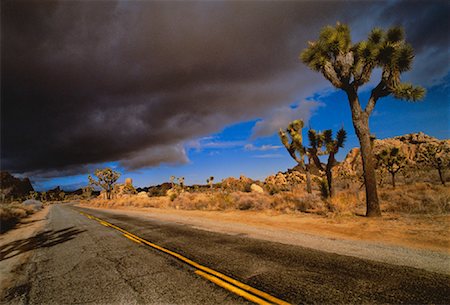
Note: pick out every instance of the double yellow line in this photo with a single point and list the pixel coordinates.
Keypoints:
(252, 294)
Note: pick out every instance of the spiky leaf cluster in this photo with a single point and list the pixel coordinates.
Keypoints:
(210, 181)
(105, 178)
(348, 65)
(392, 159)
(292, 139)
(435, 155)
(322, 143)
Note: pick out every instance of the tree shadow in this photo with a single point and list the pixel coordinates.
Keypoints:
(42, 240)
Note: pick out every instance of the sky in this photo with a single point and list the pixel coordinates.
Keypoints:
(192, 89)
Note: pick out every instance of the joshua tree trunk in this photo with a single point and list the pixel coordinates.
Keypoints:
(308, 176)
(393, 179)
(108, 193)
(306, 168)
(329, 174)
(330, 181)
(361, 124)
(440, 175)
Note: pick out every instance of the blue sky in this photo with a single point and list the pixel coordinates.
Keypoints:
(232, 151)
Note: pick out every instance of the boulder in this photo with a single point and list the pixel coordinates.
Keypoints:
(35, 204)
(256, 189)
(142, 194)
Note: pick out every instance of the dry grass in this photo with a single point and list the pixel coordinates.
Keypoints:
(135, 201)
(348, 202)
(219, 201)
(420, 198)
(11, 214)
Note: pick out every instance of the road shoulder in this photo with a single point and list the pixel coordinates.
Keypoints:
(13, 264)
(274, 228)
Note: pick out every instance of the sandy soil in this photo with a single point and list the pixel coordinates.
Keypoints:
(420, 242)
(418, 232)
(12, 271)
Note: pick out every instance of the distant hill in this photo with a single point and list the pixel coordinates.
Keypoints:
(410, 145)
(12, 187)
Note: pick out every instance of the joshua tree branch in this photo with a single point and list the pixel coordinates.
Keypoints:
(379, 91)
(330, 74)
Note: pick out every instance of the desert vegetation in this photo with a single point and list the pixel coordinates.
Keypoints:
(12, 213)
(106, 178)
(349, 66)
(416, 190)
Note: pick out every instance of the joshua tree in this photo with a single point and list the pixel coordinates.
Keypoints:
(295, 147)
(62, 195)
(210, 182)
(324, 144)
(436, 156)
(106, 178)
(181, 182)
(43, 196)
(392, 160)
(87, 192)
(33, 195)
(349, 66)
(172, 181)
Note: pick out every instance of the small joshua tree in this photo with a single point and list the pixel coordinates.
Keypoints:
(62, 195)
(33, 195)
(210, 182)
(87, 192)
(293, 141)
(348, 66)
(43, 196)
(172, 181)
(106, 178)
(181, 182)
(324, 144)
(393, 160)
(437, 157)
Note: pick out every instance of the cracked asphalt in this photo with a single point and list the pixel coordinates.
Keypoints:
(77, 260)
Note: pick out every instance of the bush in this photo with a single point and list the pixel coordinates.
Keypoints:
(421, 198)
(413, 199)
(11, 214)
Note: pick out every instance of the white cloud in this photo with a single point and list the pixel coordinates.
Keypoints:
(282, 116)
(266, 147)
(154, 156)
(212, 143)
(268, 156)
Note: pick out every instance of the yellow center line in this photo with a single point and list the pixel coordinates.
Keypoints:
(232, 288)
(215, 273)
(132, 238)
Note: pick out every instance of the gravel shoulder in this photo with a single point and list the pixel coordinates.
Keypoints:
(273, 228)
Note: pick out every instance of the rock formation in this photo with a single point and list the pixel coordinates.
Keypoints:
(411, 145)
(12, 187)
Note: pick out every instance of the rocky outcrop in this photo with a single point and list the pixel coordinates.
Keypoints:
(12, 187)
(243, 184)
(411, 145)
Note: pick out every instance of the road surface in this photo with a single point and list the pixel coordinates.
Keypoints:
(87, 256)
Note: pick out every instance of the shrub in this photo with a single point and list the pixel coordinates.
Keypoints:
(10, 215)
(421, 198)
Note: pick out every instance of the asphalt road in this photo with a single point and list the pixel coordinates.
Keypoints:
(79, 260)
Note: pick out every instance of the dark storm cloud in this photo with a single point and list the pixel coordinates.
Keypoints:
(89, 82)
